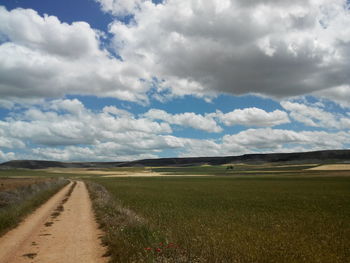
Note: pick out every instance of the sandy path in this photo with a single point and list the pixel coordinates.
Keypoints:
(70, 237)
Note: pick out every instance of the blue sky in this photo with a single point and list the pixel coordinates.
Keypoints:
(121, 80)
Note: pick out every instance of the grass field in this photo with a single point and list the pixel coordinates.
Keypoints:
(227, 219)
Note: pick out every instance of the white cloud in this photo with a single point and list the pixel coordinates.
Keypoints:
(120, 7)
(316, 117)
(267, 140)
(68, 122)
(7, 156)
(188, 119)
(73, 106)
(340, 94)
(253, 117)
(65, 130)
(45, 58)
(26, 28)
(276, 48)
(115, 111)
(277, 140)
(10, 143)
(202, 48)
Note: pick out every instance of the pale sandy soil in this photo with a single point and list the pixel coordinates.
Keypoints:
(86, 172)
(332, 167)
(270, 165)
(129, 174)
(82, 171)
(73, 236)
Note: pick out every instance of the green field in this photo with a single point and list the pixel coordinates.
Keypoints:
(251, 213)
(228, 219)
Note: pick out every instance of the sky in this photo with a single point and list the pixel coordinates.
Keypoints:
(118, 80)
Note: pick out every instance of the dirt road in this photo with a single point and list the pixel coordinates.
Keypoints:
(63, 230)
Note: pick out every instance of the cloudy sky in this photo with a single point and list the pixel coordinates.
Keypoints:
(114, 80)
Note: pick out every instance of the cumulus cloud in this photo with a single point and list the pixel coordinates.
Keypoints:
(42, 57)
(68, 122)
(188, 119)
(276, 48)
(111, 133)
(315, 116)
(278, 140)
(80, 153)
(47, 33)
(268, 140)
(202, 48)
(340, 94)
(120, 7)
(66, 130)
(253, 117)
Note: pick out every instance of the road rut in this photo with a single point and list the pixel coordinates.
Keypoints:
(51, 235)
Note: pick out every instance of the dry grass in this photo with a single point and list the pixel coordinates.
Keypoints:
(13, 183)
(18, 202)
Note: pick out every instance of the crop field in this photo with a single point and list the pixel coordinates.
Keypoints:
(238, 213)
(225, 218)
(253, 170)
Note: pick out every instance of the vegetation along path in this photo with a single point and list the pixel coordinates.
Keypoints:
(61, 230)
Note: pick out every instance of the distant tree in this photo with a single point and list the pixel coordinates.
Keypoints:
(230, 167)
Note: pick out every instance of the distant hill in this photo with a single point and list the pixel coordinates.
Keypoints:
(38, 164)
(329, 156)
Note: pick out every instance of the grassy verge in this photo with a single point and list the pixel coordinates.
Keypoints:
(16, 203)
(129, 237)
(226, 219)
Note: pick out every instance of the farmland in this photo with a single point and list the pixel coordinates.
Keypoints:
(229, 219)
(244, 213)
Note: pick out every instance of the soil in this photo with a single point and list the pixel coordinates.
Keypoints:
(332, 167)
(59, 231)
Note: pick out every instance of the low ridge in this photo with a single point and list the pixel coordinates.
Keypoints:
(328, 156)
